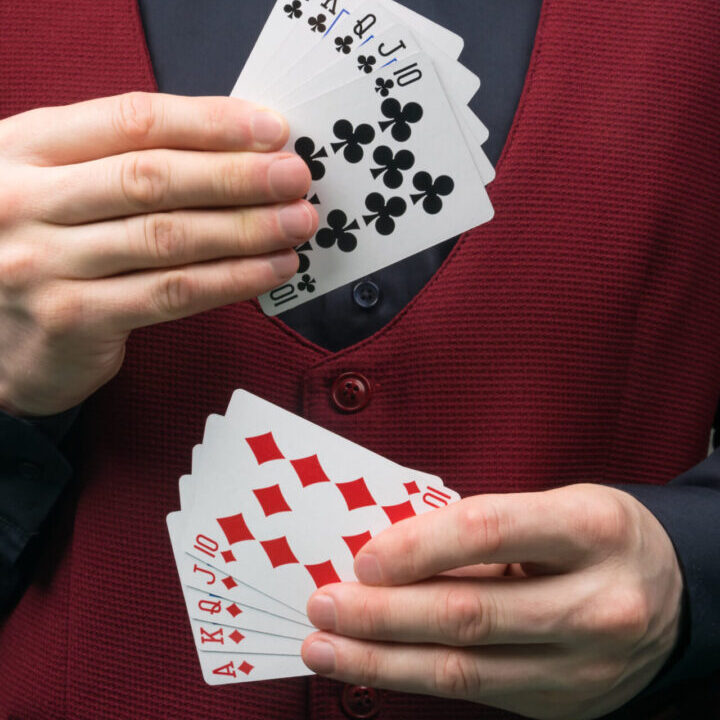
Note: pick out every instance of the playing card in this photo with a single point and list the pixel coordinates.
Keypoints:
(293, 518)
(392, 176)
(226, 668)
(294, 26)
(195, 573)
(384, 51)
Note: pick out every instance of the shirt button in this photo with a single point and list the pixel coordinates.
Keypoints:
(359, 701)
(366, 294)
(351, 392)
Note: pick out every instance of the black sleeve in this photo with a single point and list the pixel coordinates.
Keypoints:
(33, 473)
(689, 510)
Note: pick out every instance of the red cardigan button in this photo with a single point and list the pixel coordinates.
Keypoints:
(351, 392)
(360, 702)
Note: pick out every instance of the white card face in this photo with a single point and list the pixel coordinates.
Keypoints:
(392, 173)
(216, 609)
(291, 504)
(296, 529)
(294, 27)
(214, 637)
(195, 573)
(382, 52)
(229, 669)
(388, 43)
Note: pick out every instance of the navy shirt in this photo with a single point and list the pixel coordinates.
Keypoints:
(199, 49)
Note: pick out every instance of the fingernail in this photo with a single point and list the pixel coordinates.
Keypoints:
(320, 657)
(367, 569)
(267, 127)
(289, 177)
(284, 264)
(296, 220)
(321, 611)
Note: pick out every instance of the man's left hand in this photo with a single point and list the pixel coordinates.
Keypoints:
(557, 605)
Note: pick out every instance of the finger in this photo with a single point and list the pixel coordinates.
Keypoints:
(430, 669)
(552, 528)
(451, 612)
(138, 121)
(182, 237)
(126, 302)
(159, 180)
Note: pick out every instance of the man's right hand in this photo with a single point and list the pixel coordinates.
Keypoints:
(130, 211)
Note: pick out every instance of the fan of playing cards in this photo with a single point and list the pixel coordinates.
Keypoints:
(275, 508)
(378, 108)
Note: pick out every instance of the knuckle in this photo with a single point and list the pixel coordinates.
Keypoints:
(163, 237)
(135, 116)
(372, 617)
(217, 120)
(253, 230)
(624, 616)
(601, 520)
(479, 525)
(12, 204)
(462, 619)
(234, 179)
(370, 667)
(174, 294)
(452, 676)
(20, 267)
(592, 679)
(59, 313)
(144, 180)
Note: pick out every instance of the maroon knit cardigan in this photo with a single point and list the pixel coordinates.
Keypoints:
(574, 338)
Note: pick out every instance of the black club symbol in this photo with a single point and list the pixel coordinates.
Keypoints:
(293, 10)
(391, 165)
(344, 45)
(339, 231)
(384, 87)
(304, 259)
(318, 23)
(307, 284)
(305, 148)
(401, 117)
(384, 212)
(352, 139)
(366, 63)
(433, 191)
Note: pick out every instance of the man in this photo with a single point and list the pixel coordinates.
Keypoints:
(572, 344)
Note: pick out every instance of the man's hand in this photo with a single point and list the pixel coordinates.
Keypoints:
(129, 211)
(582, 613)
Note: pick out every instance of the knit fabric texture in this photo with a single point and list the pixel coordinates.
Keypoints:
(576, 338)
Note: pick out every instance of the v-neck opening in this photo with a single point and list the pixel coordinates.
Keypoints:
(325, 354)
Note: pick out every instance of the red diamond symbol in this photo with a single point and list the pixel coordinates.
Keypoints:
(229, 583)
(236, 637)
(271, 500)
(264, 448)
(356, 494)
(228, 556)
(235, 529)
(245, 668)
(412, 488)
(309, 471)
(279, 552)
(323, 574)
(356, 542)
(234, 610)
(396, 513)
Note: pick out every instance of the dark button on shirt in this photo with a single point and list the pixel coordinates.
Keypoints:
(366, 294)
(351, 392)
(361, 702)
